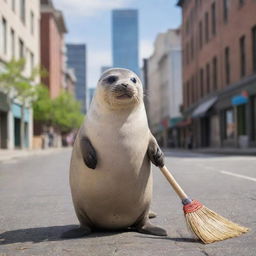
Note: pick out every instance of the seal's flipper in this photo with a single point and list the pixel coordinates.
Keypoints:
(76, 233)
(155, 154)
(150, 229)
(88, 152)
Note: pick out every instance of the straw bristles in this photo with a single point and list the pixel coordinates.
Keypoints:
(210, 227)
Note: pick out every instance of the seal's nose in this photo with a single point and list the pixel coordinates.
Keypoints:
(124, 85)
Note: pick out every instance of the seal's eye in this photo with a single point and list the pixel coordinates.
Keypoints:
(134, 80)
(111, 79)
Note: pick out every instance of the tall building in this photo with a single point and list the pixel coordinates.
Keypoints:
(125, 39)
(76, 59)
(164, 87)
(90, 93)
(53, 29)
(219, 72)
(104, 68)
(19, 38)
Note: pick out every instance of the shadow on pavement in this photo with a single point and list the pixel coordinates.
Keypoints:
(175, 239)
(44, 234)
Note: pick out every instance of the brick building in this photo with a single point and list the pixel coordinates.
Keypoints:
(53, 29)
(219, 72)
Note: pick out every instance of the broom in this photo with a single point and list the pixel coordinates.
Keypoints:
(206, 224)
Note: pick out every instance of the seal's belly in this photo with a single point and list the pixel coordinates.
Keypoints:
(118, 191)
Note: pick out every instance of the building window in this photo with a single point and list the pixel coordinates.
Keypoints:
(192, 48)
(13, 5)
(241, 2)
(200, 34)
(31, 62)
(227, 65)
(206, 21)
(213, 11)
(208, 83)
(23, 11)
(21, 49)
(201, 82)
(254, 48)
(32, 23)
(4, 35)
(225, 10)
(229, 124)
(215, 73)
(242, 56)
(12, 44)
(187, 53)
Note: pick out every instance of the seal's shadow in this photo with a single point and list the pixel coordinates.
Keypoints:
(44, 234)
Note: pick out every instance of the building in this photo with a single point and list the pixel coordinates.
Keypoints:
(125, 39)
(70, 81)
(19, 38)
(53, 29)
(90, 94)
(164, 87)
(76, 59)
(219, 72)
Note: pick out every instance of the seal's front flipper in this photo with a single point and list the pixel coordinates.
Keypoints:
(76, 233)
(155, 154)
(150, 229)
(88, 152)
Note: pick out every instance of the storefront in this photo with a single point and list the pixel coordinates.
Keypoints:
(3, 121)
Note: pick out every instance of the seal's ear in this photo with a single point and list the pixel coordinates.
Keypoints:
(88, 153)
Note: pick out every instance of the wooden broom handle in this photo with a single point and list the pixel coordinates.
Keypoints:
(173, 183)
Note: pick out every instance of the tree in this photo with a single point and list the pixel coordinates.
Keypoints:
(17, 86)
(66, 112)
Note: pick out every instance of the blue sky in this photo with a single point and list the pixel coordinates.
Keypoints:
(89, 22)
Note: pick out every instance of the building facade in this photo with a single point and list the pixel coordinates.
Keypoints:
(125, 39)
(219, 72)
(164, 87)
(52, 33)
(19, 39)
(76, 59)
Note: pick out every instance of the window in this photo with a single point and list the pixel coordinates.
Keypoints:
(227, 65)
(254, 48)
(241, 2)
(31, 62)
(215, 73)
(13, 5)
(187, 53)
(242, 56)
(23, 11)
(229, 124)
(208, 83)
(32, 23)
(206, 21)
(225, 10)
(192, 48)
(12, 44)
(202, 82)
(21, 49)
(200, 34)
(4, 31)
(213, 11)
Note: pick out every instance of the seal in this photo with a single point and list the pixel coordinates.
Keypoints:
(110, 170)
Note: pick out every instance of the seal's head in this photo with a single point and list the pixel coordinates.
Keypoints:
(119, 88)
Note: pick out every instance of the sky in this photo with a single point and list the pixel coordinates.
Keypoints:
(89, 22)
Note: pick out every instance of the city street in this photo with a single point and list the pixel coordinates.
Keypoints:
(36, 207)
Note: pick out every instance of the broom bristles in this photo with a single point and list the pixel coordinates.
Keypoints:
(210, 227)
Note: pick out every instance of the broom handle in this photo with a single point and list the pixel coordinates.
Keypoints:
(173, 183)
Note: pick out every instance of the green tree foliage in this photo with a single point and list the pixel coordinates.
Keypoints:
(67, 112)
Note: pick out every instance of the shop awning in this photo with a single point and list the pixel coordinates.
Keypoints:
(201, 110)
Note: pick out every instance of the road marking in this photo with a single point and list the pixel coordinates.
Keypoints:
(239, 176)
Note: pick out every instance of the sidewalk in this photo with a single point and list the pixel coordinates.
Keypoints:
(219, 151)
(6, 155)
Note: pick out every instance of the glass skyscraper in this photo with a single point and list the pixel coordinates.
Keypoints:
(76, 59)
(125, 39)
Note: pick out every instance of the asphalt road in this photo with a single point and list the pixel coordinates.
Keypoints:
(36, 207)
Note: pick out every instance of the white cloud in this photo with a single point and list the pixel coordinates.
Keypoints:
(146, 48)
(89, 7)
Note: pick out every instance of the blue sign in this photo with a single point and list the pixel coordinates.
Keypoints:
(239, 100)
